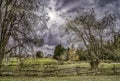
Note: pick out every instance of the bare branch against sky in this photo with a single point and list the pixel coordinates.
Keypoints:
(60, 10)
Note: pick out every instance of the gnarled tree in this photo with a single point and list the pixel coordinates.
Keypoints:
(17, 21)
(92, 32)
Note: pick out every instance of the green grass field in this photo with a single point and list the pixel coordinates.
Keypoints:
(37, 64)
(42, 61)
(68, 78)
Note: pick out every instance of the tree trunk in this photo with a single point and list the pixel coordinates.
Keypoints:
(94, 63)
(2, 53)
(1, 58)
(0, 65)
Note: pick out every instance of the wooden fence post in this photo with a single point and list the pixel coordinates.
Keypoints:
(77, 70)
(57, 71)
(114, 70)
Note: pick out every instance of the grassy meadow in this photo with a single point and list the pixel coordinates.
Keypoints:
(50, 61)
(31, 64)
(68, 78)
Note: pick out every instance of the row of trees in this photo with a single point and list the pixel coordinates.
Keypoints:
(111, 52)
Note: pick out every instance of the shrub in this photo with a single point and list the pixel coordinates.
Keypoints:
(39, 54)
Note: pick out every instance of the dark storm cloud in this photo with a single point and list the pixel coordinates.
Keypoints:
(103, 3)
(64, 2)
(85, 3)
(100, 5)
(71, 6)
(50, 38)
(74, 5)
(110, 5)
(67, 2)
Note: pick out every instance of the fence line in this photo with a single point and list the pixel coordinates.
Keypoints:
(53, 70)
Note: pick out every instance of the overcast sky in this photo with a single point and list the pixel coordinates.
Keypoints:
(59, 10)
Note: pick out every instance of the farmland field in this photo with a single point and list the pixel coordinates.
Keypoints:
(68, 78)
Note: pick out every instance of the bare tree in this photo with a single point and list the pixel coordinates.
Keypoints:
(92, 32)
(17, 18)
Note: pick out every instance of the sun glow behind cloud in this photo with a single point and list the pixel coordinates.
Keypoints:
(52, 16)
(59, 10)
(55, 16)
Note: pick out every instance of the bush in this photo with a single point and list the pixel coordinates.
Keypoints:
(39, 54)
